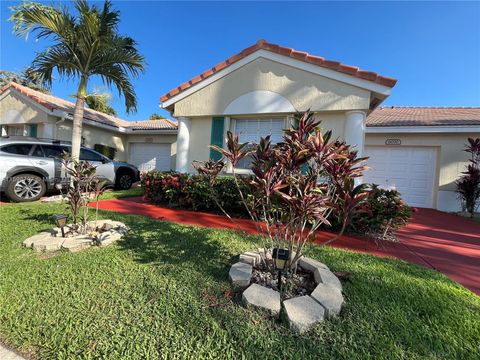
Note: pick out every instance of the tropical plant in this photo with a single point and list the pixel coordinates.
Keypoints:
(156, 116)
(85, 44)
(295, 185)
(468, 186)
(100, 102)
(83, 185)
(26, 78)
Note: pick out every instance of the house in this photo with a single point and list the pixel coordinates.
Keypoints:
(147, 144)
(257, 91)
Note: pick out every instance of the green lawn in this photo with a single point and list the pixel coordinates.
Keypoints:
(144, 298)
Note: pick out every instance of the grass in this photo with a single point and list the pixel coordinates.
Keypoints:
(145, 298)
(119, 194)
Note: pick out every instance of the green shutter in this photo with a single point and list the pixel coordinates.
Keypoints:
(217, 136)
(32, 131)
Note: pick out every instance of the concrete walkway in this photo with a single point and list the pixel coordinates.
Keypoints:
(444, 242)
(6, 354)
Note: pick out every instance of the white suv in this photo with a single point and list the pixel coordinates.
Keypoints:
(29, 167)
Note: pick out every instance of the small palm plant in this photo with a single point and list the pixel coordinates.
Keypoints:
(84, 45)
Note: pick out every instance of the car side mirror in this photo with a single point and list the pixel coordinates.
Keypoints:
(105, 161)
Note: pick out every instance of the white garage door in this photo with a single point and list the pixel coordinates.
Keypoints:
(148, 156)
(411, 170)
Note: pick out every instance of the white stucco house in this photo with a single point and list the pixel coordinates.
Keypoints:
(256, 92)
(149, 144)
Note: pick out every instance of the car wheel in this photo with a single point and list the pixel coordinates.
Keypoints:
(124, 181)
(24, 188)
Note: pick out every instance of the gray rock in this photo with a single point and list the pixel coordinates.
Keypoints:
(240, 274)
(309, 264)
(35, 238)
(303, 312)
(52, 243)
(255, 255)
(247, 259)
(77, 243)
(329, 297)
(109, 237)
(263, 298)
(324, 276)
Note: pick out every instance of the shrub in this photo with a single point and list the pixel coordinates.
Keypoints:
(191, 192)
(108, 151)
(383, 212)
(468, 186)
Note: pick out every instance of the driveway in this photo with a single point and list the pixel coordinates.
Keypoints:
(447, 243)
(444, 242)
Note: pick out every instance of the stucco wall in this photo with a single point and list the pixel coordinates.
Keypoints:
(451, 159)
(157, 139)
(15, 110)
(94, 135)
(303, 89)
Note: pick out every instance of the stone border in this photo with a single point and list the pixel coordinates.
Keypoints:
(52, 240)
(302, 312)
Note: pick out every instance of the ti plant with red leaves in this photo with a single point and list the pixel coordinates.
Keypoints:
(468, 186)
(296, 184)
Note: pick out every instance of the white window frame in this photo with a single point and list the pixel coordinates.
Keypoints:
(231, 123)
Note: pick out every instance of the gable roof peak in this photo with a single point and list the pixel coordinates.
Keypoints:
(303, 56)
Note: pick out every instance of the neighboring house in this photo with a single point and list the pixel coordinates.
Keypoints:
(147, 144)
(256, 92)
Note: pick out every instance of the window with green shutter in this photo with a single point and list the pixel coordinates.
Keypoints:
(217, 136)
(32, 130)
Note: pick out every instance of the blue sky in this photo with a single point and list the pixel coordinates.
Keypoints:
(432, 48)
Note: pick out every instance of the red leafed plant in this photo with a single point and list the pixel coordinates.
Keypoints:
(295, 184)
(468, 186)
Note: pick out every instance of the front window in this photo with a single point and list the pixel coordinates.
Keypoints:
(89, 155)
(251, 130)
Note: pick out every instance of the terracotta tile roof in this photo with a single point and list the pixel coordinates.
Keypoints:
(424, 116)
(285, 51)
(51, 103)
(157, 124)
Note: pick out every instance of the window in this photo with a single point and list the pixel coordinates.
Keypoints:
(37, 152)
(89, 155)
(17, 149)
(54, 151)
(16, 130)
(251, 130)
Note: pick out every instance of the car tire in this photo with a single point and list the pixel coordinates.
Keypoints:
(25, 188)
(124, 181)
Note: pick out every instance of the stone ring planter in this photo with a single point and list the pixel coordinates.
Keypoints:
(302, 312)
(102, 233)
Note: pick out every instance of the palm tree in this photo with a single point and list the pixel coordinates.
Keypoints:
(84, 45)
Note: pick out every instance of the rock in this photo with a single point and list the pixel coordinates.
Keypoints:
(35, 238)
(107, 226)
(263, 298)
(309, 264)
(52, 243)
(250, 257)
(325, 276)
(240, 274)
(265, 255)
(329, 297)
(109, 237)
(303, 312)
(77, 243)
(54, 199)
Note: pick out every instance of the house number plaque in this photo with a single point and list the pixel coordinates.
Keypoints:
(393, 142)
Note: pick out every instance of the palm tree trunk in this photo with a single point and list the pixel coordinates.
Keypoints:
(78, 119)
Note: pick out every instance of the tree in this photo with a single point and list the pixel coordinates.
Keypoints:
(85, 44)
(100, 102)
(26, 78)
(156, 116)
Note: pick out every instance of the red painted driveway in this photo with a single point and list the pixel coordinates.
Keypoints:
(441, 241)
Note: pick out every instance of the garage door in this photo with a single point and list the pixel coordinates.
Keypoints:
(148, 156)
(411, 170)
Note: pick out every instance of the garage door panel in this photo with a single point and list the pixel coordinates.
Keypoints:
(149, 156)
(409, 169)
